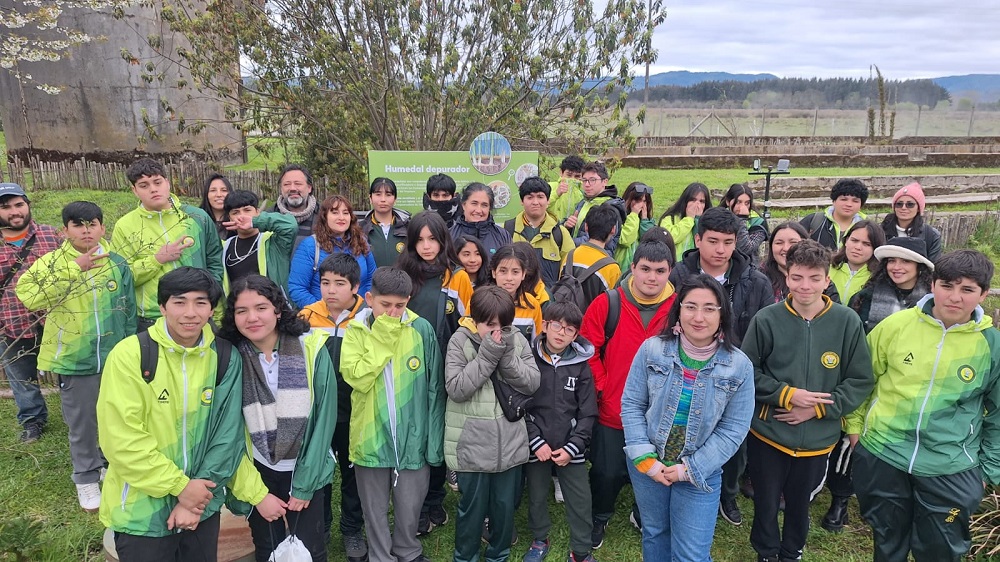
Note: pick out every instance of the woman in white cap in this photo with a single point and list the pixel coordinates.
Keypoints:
(902, 278)
(907, 219)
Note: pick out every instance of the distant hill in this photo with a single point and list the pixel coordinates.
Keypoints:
(686, 78)
(979, 87)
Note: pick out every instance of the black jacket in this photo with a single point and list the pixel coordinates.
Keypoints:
(305, 227)
(492, 235)
(386, 249)
(931, 236)
(564, 409)
(749, 290)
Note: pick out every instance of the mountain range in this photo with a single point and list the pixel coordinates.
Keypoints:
(978, 87)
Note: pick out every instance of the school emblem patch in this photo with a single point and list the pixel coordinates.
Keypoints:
(413, 363)
(399, 247)
(112, 285)
(206, 396)
(449, 306)
(830, 360)
(966, 373)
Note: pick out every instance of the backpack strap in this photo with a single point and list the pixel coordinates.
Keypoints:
(557, 236)
(815, 222)
(595, 267)
(149, 354)
(614, 314)
(508, 225)
(223, 351)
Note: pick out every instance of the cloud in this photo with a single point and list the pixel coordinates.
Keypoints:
(905, 38)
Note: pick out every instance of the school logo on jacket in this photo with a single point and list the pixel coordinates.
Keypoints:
(413, 363)
(206, 396)
(830, 360)
(399, 247)
(112, 285)
(449, 306)
(570, 384)
(966, 373)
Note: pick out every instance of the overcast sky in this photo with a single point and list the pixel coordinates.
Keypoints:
(825, 38)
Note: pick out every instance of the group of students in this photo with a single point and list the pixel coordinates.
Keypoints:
(415, 351)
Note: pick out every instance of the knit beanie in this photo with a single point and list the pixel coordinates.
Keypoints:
(913, 190)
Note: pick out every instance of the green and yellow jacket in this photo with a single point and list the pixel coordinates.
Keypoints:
(632, 230)
(550, 254)
(88, 311)
(139, 235)
(398, 402)
(825, 354)
(682, 230)
(848, 284)
(314, 465)
(274, 256)
(935, 408)
(159, 435)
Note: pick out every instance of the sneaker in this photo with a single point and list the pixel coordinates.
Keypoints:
(731, 512)
(635, 518)
(452, 478)
(89, 496)
(589, 558)
(356, 548)
(32, 432)
(538, 551)
(438, 516)
(558, 489)
(746, 488)
(424, 525)
(597, 535)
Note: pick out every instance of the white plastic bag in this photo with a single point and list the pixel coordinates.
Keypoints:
(291, 550)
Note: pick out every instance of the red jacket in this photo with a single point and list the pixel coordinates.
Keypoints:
(610, 368)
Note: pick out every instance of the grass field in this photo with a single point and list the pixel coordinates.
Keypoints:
(35, 483)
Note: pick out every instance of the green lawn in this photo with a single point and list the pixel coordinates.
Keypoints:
(35, 483)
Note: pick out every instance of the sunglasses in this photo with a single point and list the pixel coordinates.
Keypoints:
(905, 204)
(643, 188)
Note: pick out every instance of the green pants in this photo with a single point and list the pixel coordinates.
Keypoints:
(925, 515)
(575, 486)
(492, 495)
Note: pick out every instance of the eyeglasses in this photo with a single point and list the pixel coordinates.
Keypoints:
(643, 188)
(588, 181)
(707, 310)
(561, 328)
(906, 204)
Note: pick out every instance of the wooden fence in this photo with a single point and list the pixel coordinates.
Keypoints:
(186, 179)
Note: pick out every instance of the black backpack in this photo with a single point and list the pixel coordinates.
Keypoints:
(149, 355)
(569, 287)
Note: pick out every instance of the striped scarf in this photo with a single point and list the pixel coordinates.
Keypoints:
(276, 424)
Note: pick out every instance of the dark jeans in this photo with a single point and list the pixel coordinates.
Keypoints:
(19, 357)
(307, 524)
(492, 495)
(435, 489)
(925, 515)
(200, 545)
(608, 469)
(352, 519)
(775, 473)
(838, 475)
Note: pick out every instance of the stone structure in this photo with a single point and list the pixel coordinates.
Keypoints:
(106, 110)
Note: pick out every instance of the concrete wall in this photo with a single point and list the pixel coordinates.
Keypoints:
(791, 187)
(99, 114)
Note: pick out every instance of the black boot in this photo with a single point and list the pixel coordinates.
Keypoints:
(836, 516)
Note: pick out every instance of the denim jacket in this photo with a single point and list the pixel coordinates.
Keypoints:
(721, 407)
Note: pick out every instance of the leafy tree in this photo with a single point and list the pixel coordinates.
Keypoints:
(346, 76)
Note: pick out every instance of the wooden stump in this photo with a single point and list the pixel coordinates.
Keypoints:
(235, 542)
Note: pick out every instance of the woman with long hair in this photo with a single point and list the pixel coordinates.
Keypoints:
(476, 220)
(290, 409)
(638, 199)
(783, 237)
(902, 277)
(853, 263)
(336, 230)
(681, 219)
(753, 232)
(907, 219)
(686, 408)
(213, 197)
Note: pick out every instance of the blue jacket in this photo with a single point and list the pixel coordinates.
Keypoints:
(303, 279)
(721, 407)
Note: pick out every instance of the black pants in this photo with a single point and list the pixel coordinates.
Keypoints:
(775, 473)
(351, 517)
(435, 489)
(307, 524)
(838, 475)
(608, 470)
(925, 515)
(200, 545)
(732, 471)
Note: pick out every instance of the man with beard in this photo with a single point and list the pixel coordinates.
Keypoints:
(24, 241)
(297, 200)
